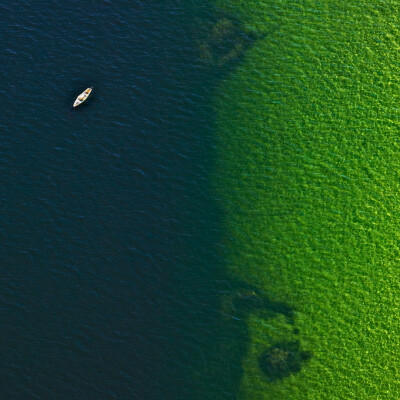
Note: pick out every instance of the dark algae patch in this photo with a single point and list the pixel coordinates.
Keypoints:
(244, 300)
(283, 359)
(225, 42)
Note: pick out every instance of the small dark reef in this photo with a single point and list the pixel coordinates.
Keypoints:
(283, 359)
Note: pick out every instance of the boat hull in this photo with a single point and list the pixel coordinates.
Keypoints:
(82, 97)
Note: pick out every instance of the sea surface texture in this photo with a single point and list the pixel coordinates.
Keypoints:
(110, 282)
(220, 221)
(308, 174)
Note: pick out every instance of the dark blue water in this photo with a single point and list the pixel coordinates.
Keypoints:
(109, 264)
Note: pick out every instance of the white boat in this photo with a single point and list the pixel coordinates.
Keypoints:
(83, 97)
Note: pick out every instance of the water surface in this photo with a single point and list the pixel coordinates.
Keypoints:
(107, 224)
(308, 175)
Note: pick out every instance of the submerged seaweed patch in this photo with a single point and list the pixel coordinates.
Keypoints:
(225, 43)
(246, 299)
(283, 359)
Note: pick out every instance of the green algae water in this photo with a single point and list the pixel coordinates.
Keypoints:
(309, 178)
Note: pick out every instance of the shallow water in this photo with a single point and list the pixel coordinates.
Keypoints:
(308, 176)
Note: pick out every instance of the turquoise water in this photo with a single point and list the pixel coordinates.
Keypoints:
(308, 175)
